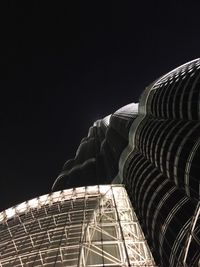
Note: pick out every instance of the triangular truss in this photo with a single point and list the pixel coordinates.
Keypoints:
(88, 226)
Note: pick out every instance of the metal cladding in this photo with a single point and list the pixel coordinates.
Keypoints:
(97, 157)
(160, 167)
(155, 152)
(85, 226)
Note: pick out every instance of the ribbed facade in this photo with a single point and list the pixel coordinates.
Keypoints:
(85, 226)
(154, 150)
(161, 166)
(97, 157)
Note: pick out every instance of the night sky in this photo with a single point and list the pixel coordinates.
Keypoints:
(63, 67)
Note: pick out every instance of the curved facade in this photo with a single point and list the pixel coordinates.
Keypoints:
(154, 150)
(160, 167)
(85, 226)
(98, 154)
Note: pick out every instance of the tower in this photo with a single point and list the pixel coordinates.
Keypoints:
(153, 149)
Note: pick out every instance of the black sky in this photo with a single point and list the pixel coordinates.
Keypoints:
(63, 67)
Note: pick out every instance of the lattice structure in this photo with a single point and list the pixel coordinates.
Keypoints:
(87, 226)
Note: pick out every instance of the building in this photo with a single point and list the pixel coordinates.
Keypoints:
(160, 167)
(154, 150)
(84, 226)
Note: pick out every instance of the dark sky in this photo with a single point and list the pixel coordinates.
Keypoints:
(63, 67)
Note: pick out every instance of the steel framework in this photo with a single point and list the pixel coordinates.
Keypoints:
(85, 226)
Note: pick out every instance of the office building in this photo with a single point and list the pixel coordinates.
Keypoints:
(153, 149)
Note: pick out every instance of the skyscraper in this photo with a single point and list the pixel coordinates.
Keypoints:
(154, 150)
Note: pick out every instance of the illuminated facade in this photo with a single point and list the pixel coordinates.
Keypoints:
(153, 148)
(160, 167)
(85, 226)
